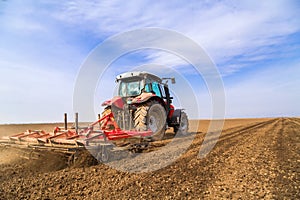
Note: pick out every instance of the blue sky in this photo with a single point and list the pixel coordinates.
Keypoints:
(255, 46)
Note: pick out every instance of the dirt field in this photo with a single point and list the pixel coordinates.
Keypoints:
(253, 159)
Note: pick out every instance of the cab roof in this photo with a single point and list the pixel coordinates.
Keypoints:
(139, 74)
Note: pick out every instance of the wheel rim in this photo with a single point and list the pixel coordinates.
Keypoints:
(156, 121)
(183, 125)
(153, 124)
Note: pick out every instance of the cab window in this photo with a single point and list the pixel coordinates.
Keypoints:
(147, 88)
(163, 94)
(156, 89)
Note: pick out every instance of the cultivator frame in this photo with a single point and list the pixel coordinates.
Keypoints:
(69, 141)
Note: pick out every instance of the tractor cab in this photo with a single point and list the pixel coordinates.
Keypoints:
(132, 84)
(135, 84)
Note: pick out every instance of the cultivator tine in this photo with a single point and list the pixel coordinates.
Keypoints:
(72, 158)
(27, 153)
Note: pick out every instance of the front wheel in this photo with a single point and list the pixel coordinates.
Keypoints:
(182, 128)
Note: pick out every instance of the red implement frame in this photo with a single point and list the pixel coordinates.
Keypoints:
(81, 136)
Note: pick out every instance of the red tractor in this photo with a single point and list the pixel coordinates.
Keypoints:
(144, 103)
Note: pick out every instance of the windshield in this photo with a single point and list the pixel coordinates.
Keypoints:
(130, 88)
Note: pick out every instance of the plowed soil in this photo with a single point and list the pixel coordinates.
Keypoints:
(253, 159)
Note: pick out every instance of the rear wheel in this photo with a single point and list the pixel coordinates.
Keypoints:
(151, 116)
(183, 127)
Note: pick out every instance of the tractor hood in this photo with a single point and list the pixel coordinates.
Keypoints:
(116, 101)
(120, 101)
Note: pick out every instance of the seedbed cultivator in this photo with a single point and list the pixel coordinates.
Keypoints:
(69, 142)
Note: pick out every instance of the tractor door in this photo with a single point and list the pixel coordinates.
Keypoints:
(168, 99)
(156, 89)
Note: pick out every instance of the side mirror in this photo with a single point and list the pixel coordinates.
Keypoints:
(173, 80)
(167, 79)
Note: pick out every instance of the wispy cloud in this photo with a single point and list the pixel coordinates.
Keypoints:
(226, 29)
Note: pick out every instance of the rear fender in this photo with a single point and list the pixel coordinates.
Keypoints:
(145, 96)
(171, 112)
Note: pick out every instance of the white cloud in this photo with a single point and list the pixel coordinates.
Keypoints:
(18, 18)
(226, 29)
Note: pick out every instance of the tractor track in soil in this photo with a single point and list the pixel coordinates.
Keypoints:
(233, 181)
(251, 161)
